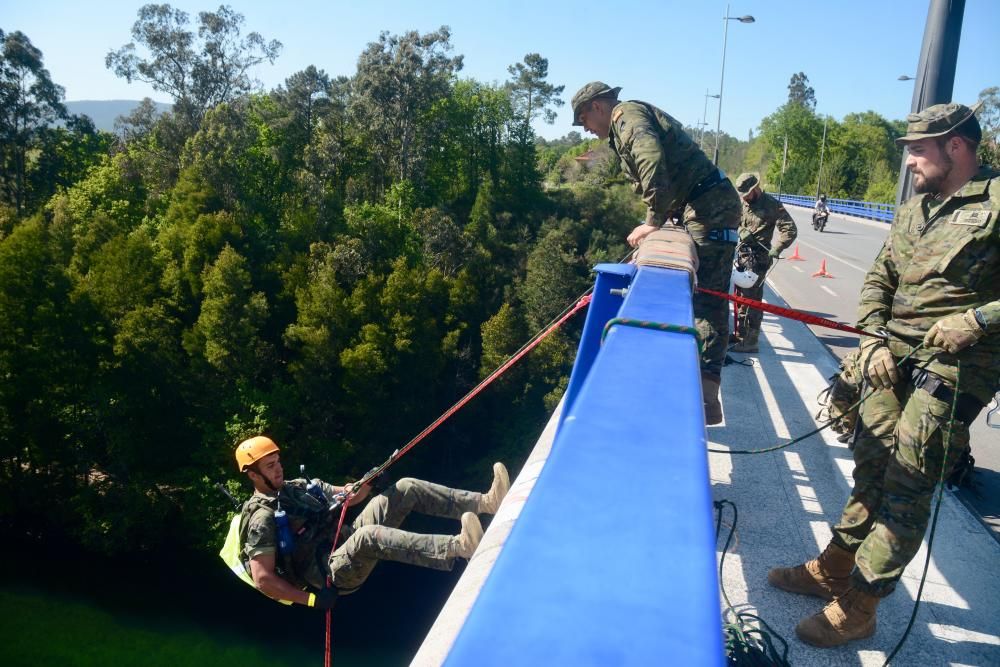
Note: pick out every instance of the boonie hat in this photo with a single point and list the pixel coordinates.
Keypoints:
(747, 182)
(591, 91)
(940, 119)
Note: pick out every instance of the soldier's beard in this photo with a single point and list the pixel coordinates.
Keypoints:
(923, 183)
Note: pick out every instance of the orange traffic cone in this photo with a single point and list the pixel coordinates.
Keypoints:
(795, 257)
(822, 271)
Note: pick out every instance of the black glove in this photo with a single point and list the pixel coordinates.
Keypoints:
(324, 599)
(378, 483)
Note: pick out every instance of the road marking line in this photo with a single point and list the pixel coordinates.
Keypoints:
(828, 290)
(832, 256)
(796, 267)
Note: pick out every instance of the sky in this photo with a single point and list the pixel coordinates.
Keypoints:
(666, 52)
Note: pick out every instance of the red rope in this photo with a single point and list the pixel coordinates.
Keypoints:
(582, 303)
(329, 612)
(532, 344)
(788, 312)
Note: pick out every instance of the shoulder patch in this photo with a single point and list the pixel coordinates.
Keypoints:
(617, 114)
(971, 218)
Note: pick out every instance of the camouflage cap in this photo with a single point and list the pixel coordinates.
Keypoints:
(940, 119)
(591, 91)
(747, 182)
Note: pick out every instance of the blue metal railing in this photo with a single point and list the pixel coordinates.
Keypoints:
(861, 209)
(612, 559)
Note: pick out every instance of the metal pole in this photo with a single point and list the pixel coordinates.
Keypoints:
(822, 150)
(722, 80)
(935, 78)
(704, 122)
(704, 119)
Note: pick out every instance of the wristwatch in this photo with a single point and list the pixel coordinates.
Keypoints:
(980, 318)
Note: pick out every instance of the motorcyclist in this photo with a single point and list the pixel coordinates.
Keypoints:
(820, 212)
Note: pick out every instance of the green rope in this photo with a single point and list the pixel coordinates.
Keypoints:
(813, 432)
(745, 645)
(647, 324)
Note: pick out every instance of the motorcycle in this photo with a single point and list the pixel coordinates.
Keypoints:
(819, 220)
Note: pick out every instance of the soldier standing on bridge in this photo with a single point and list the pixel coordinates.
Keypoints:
(674, 177)
(761, 214)
(936, 281)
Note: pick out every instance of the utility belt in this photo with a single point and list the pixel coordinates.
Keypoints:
(706, 184)
(968, 406)
(724, 235)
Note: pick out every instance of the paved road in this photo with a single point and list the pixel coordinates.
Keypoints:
(849, 246)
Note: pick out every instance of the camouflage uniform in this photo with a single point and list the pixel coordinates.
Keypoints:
(373, 536)
(760, 218)
(941, 258)
(672, 174)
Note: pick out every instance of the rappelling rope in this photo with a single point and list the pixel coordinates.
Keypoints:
(822, 427)
(578, 304)
(790, 313)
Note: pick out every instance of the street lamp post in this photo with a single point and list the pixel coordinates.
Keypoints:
(725, 35)
(822, 150)
(704, 119)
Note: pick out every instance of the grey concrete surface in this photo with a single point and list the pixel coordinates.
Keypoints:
(787, 501)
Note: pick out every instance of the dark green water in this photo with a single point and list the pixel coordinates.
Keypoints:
(63, 607)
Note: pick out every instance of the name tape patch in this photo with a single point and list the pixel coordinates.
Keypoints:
(970, 218)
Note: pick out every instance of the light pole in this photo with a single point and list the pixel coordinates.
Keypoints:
(725, 34)
(822, 150)
(704, 119)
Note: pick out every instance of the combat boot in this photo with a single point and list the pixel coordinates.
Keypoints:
(826, 576)
(851, 616)
(467, 541)
(710, 395)
(748, 343)
(489, 502)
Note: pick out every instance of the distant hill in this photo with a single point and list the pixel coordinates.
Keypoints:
(104, 112)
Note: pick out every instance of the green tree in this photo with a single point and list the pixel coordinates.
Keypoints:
(199, 70)
(29, 103)
(800, 92)
(228, 330)
(989, 119)
(399, 78)
(531, 93)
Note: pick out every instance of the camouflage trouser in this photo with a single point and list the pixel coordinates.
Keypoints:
(749, 319)
(711, 314)
(376, 535)
(898, 458)
(719, 208)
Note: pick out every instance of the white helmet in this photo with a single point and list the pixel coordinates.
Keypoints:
(747, 273)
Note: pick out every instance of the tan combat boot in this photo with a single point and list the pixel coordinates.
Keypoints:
(710, 394)
(827, 576)
(468, 540)
(849, 617)
(489, 502)
(748, 343)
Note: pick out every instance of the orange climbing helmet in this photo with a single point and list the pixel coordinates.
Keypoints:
(252, 450)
